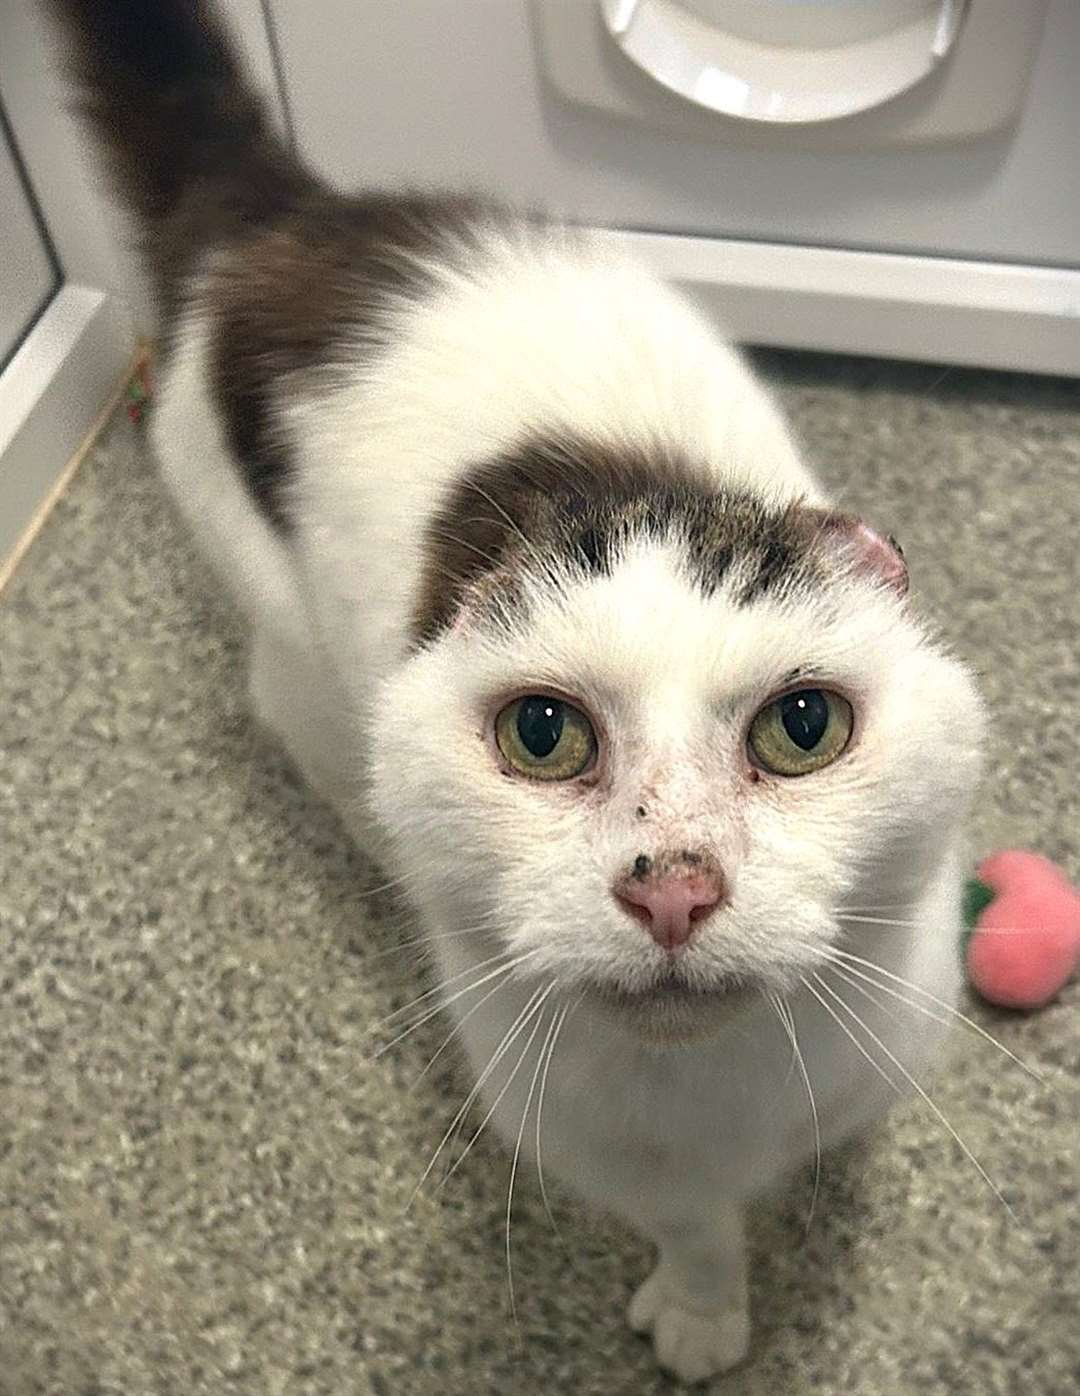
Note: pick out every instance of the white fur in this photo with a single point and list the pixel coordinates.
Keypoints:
(538, 332)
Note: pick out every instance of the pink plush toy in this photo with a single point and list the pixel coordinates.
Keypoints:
(1024, 916)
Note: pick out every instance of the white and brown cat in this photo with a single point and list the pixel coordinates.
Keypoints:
(543, 599)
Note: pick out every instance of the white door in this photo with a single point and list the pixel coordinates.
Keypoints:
(66, 336)
(28, 274)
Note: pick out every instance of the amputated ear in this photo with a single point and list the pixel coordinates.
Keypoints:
(874, 555)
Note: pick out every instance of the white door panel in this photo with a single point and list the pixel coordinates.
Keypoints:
(461, 95)
(65, 338)
(27, 276)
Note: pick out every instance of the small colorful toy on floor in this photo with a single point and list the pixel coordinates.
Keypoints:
(137, 393)
(1023, 916)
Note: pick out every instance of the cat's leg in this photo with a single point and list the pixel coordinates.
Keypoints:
(695, 1303)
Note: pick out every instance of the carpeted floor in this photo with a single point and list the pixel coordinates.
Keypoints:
(203, 1174)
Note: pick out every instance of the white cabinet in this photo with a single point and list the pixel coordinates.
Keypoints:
(963, 248)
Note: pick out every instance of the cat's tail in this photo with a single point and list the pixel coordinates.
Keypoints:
(189, 141)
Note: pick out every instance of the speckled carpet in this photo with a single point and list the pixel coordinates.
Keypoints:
(203, 1174)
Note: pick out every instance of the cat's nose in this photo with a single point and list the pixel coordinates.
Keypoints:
(671, 907)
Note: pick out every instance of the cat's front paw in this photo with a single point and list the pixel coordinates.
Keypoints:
(693, 1343)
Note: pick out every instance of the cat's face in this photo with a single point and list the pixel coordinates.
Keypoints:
(653, 750)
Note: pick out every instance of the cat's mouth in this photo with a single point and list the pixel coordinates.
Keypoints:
(672, 1007)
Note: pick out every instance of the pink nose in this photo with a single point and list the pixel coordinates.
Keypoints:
(673, 906)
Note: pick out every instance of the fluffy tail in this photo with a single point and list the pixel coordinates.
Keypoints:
(189, 141)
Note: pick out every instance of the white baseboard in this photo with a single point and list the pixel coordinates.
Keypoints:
(51, 394)
(987, 314)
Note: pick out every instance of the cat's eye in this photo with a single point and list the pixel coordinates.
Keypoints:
(545, 738)
(801, 732)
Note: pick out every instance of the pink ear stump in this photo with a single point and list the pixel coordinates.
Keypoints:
(1024, 916)
(880, 555)
(870, 553)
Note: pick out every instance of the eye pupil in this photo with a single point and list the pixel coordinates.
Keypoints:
(805, 716)
(801, 732)
(540, 724)
(544, 738)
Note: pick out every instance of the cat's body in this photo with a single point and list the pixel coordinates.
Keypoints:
(444, 458)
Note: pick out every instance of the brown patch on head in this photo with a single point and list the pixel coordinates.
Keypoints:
(547, 499)
(188, 142)
(564, 502)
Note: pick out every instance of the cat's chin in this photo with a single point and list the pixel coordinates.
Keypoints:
(670, 1010)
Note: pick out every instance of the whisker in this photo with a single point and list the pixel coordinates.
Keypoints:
(774, 1002)
(436, 989)
(425, 1018)
(845, 971)
(866, 920)
(960, 1017)
(445, 1003)
(403, 880)
(851, 1036)
(916, 925)
(842, 973)
(422, 940)
(902, 903)
(787, 1018)
(456, 1029)
(496, 1056)
(879, 907)
(553, 1038)
(502, 1091)
(923, 1094)
(517, 1152)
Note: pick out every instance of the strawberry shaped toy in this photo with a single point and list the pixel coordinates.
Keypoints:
(1024, 920)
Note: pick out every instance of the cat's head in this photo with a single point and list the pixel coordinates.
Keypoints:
(653, 734)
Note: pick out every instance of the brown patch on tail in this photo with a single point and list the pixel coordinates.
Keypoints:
(188, 141)
(298, 272)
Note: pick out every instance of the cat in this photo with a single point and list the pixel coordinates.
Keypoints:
(543, 599)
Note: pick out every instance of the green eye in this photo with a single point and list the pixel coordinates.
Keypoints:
(801, 732)
(545, 738)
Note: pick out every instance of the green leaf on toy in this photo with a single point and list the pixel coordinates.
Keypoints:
(977, 897)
